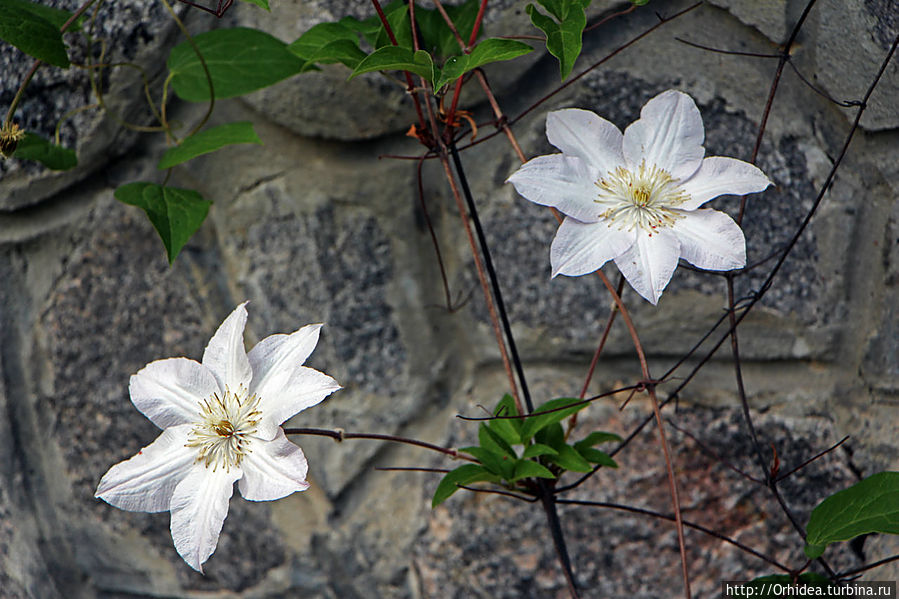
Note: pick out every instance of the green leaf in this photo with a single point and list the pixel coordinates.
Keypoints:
(490, 50)
(489, 439)
(555, 410)
(397, 15)
(530, 469)
(869, 506)
(240, 61)
(564, 34)
(343, 51)
(328, 43)
(763, 583)
(463, 475)
(570, 459)
(595, 456)
(32, 33)
(208, 141)
(175, 213)
(507, 428)
(551, 435)
(538, 449)
(597, 437)
(435, 34)
(496, 462)
(395, 58)
(34, 147)
(56, 16)
(260, 4)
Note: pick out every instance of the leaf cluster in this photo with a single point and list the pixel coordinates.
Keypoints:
(545, 451)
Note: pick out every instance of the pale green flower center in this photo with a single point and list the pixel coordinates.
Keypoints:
(647, 197)
(223, 433)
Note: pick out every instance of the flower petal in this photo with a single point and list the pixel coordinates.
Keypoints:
(169, 392)
(650, 262)
(581, 248)
(273, 469)
(226, 355)
(668, 134)
(587, 136)
(145, 483)
(278, 355)
(710, 239)
(199, 507)
(289, 393)
(719, 175)
(561, 182)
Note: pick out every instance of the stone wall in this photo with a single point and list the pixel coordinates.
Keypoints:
(313, 227)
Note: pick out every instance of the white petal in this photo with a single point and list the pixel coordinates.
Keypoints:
(289, 393)
(710, 239)
(718, 175)
(277, 355)
(581, 248)
(668, 134)
(559, 181)
(650, 262)
(587, 136)
(169, 392)
(273, 469)
(226, 355)
(199, 507)
(145, 483)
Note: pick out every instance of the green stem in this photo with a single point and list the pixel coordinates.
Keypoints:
(193, 44)
(21, 91)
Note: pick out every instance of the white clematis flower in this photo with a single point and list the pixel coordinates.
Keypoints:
(221, 422)
(635, 198)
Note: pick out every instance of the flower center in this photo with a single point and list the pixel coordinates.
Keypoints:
(224, 431)
(647, 198)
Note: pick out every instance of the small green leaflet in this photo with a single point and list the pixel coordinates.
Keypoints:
(240, 61)
(208, 141)
(489, 50)
(564, 33)
(328, 43)
(396, 58)
(555, 410)
(56, 16)
(497, 463)
(529, 469)
(463, 475)
(436, 36)
(175, 213)
(57, 158)
(871, 505)
(259, 3)
(32, 33)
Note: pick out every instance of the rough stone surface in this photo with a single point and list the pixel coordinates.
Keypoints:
(312, 227)
(135, 32)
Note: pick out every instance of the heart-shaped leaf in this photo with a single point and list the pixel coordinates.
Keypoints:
(210, 140)
(175, 213)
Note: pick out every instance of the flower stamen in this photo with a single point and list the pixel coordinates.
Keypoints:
(224, 431)
(646, 198)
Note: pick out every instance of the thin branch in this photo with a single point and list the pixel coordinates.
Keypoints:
(687, 523)
(812, 459)
(494, 279)
(727, 52)
(339, 436)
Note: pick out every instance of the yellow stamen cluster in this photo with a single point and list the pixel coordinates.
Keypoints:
(10, 136)
(647, 198)
(223, 433)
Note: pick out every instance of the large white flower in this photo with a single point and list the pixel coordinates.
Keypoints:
(221, 422)
(635, 198)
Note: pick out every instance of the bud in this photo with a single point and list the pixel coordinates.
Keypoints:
(10, 135)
